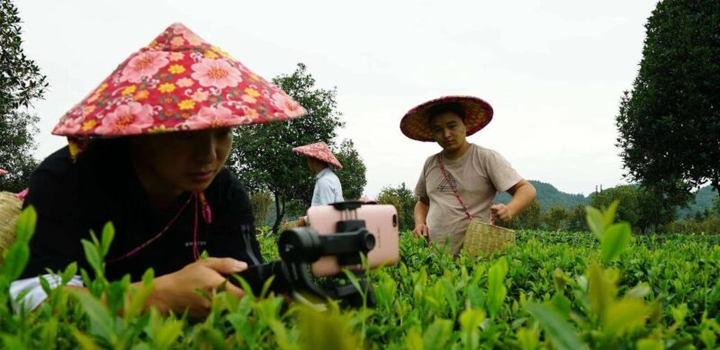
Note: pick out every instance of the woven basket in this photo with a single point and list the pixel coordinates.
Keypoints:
(10, 207)
(485, 238)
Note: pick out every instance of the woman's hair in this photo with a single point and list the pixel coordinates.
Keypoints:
(106, 149)
(449, 107)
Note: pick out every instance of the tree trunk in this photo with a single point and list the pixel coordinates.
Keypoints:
(279, 212)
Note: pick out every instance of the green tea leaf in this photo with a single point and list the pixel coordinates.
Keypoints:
(98, 314)
(25, 226)
(601, 292)
(69, 273)
(561, 304)
(614, 241)
(595, 221)
(108, 233)
(45, 284)
(561, 334)
(709, 338)
(649, 344)
(167, 334)
(496, 286)
(529, 339)
(609, 214)
(470, 321)
(93, 257)
(437, 335)
(136, 302)
(85, 342)
(625, 315)
(413, 340)
(16, 259)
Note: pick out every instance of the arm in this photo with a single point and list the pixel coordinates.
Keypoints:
(523, 193)
(171, 292)
(421, 210)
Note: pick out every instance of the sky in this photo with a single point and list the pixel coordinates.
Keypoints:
(554, 71)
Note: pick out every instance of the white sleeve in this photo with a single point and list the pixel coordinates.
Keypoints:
(36, 295)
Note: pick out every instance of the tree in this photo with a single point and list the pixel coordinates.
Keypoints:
(642, 208)
(20, 84)
(261, 202)
(557, 218)
(669, 125)
(262, 154)
(529, 219)
(352, 175)
(403, 199)
(576, 219)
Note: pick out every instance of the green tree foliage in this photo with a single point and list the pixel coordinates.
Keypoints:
(352, 175)
(641, 207)
(404, 201)
(261, 202)
(576, 219)
(557, 218)
(262, 154)
(530, 219)
(669, 124)
(20, 84)
(628, 198)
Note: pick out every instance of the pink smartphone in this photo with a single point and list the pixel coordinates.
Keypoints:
(380, 219)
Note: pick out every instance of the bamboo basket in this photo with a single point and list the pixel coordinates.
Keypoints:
(484, 238)
(10, 207)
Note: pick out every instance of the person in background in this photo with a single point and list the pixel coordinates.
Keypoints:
(461, 180)
(147, 152)
(321, 162)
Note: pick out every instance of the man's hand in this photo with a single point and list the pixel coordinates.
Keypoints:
(421, 230)
(176, 291)
(300, 222)
(502, 212)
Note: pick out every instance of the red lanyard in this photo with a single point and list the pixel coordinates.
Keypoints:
(455, 192)
(200, 200)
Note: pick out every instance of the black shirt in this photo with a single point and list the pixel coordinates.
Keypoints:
(72, 198)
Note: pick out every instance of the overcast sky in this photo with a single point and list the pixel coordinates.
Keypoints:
(554, 70)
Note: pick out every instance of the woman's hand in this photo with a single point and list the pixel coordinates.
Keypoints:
(177, 291)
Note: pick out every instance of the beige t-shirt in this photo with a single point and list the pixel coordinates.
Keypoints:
(478, 175)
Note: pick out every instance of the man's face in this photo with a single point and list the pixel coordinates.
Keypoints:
(448, 130)
(315, 165)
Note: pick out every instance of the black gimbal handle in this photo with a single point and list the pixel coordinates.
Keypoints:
(304, 244)
(299, 247)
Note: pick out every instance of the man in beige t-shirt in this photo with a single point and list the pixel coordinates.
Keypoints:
(472, 173)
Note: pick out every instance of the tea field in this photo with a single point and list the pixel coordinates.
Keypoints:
(552, 290)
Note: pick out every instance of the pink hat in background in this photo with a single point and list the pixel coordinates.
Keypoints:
(319, 151)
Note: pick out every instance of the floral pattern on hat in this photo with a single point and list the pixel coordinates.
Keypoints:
(178, 82)
(319, 151)
(416, 122)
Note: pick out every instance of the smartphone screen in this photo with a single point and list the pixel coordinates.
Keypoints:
(380, 219)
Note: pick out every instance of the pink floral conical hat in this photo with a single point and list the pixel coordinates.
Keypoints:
(319, 151)
(178, 82)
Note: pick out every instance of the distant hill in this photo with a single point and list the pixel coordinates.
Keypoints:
(549, 196)
(703, 200)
